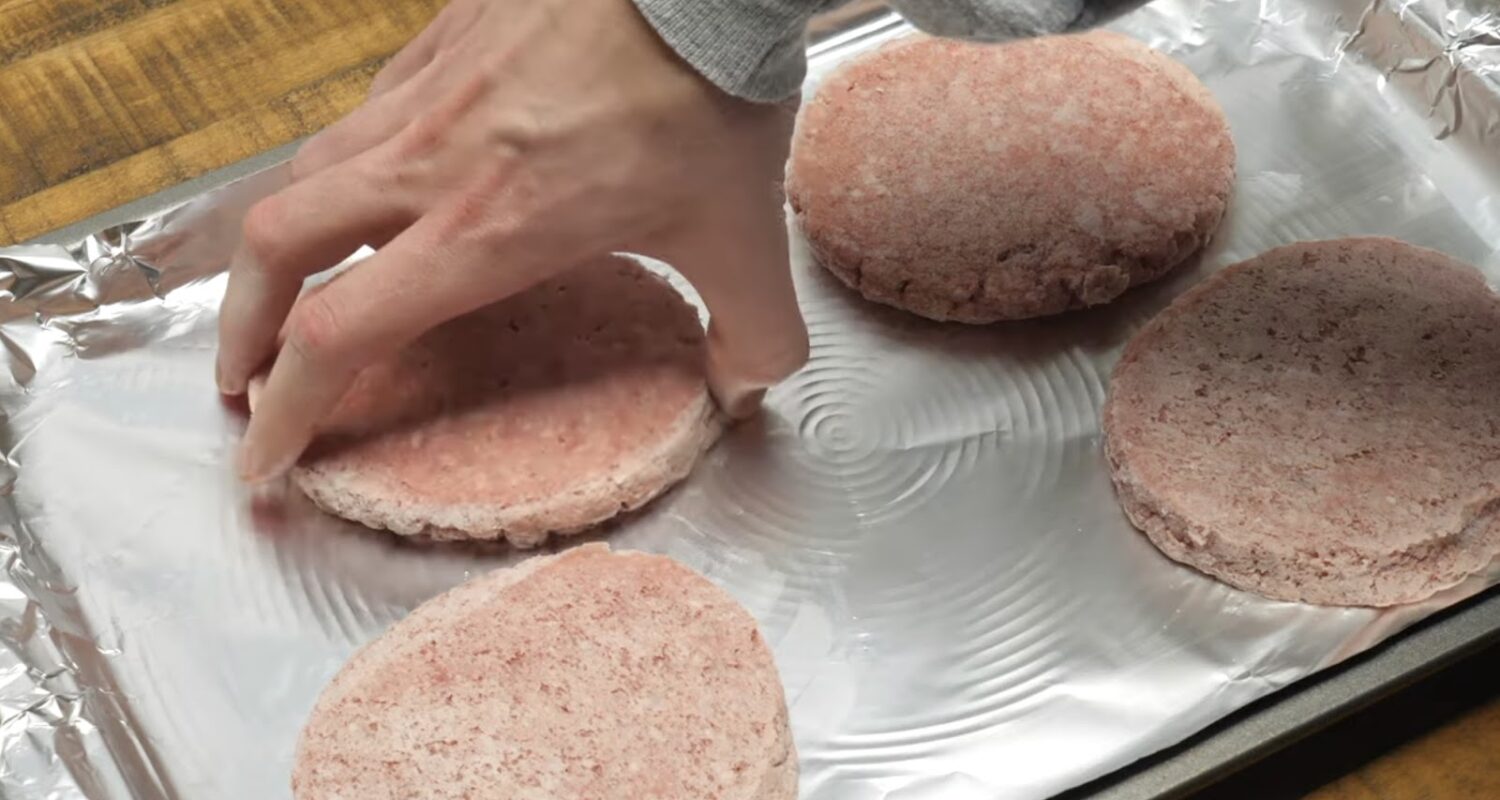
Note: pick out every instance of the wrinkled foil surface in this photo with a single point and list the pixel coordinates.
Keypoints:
(922, 522)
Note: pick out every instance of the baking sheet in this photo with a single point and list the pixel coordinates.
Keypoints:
(922, 521)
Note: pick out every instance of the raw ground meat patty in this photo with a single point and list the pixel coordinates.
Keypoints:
(588, 674)
(546, 413)
(978, 183)
(1320, 423)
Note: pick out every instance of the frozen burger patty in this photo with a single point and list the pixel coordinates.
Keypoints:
(1320, 423)
(978, 183)
(549, 412)
(589, 674)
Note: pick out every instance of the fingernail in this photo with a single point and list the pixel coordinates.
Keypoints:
(226, 385)
(747, 404)
(741, 402)
(255, 468)
(268, 503)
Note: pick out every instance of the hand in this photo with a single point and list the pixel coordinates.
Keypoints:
(511, 140)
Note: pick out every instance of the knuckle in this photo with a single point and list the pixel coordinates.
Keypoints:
(468, 212)
(434, 129)
(397, 171)
(317, 330)
(263, 231)
(496, 206)
(524, 130)
(422, 137)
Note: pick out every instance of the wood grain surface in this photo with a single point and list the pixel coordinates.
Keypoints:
(106, 101)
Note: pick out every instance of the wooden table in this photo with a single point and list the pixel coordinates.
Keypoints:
(1438, 740)
(106, 101)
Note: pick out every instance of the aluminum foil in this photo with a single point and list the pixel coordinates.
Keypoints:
(922, 522)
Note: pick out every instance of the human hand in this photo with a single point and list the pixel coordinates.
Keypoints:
(511, 140)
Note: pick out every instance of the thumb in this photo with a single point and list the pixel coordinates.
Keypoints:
(736, 257)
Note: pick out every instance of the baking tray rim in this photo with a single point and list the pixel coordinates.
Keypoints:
(1248, 735)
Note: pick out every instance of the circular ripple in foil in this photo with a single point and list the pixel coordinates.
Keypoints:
(869, 429)
(961, 649)
(292, 561)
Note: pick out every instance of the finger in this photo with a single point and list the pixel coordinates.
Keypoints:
(420, 51)
(376, 121)
(370, 310)
(408, 61)
(308, 227)
(737, 260)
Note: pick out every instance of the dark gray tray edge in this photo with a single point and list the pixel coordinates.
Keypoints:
(1307, 706)
(154, 204)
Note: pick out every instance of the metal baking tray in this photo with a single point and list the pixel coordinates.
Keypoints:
(922, 521)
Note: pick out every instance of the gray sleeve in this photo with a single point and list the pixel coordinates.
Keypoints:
(753, 48)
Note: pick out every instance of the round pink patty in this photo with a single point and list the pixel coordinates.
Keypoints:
(978, 183)
(1320, 423)
(588, 674)
(549, 412)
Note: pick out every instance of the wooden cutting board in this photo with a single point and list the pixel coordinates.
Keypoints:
(107, 101)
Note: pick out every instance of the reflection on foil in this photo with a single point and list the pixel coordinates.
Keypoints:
(922, 520)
